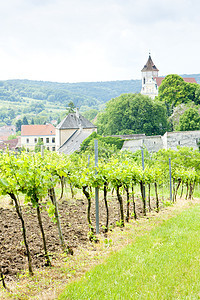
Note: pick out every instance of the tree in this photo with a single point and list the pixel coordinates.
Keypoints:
(190, 120)
(38, 145)
(171, 90)
(71, 107)
(90, 114)
(132, 114)
(58, 120)
(174, 91)
(108, 140)
(197, 95)
(12, 137)
(25, 121)
(18, 125)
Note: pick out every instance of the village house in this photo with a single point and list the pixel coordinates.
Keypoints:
(30, 135)
(13, 144)
(72, 131)
(6, 131)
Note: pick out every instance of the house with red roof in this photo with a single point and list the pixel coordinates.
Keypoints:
(151, 81)
(30, 135)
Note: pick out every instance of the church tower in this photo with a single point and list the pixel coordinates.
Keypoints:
(149, 73)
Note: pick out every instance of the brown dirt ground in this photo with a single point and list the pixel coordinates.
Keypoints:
(75, 230)
(48, 283)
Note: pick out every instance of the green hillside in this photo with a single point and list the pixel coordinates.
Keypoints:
(47, 100)
(44, 101)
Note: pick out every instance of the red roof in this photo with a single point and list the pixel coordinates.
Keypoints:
(9, 144)
(189, 79)
(159, 80)
(186, 79)
(4, 137)
(38, 130)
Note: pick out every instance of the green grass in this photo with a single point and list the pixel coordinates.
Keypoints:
(161, 264)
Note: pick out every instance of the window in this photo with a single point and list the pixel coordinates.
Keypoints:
(47, 148)
(47, 140)
(35, 140)
(42, 139)
(179, 142)
(53, 148)
(27, 141)
(53, 140)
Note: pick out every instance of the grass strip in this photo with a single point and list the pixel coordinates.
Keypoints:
(162, 264)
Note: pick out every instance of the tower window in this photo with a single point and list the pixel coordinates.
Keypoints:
(144, 80)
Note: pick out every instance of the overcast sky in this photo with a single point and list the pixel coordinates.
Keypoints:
(97, 40)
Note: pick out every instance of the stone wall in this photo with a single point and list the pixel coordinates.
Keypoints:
(151, 143)
(182, 139)
(168, 140)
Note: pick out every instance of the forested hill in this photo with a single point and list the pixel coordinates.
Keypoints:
(87, 94)
(84, 95)
(43, 101)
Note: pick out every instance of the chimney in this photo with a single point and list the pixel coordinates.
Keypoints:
(77, 113)
(78, 119)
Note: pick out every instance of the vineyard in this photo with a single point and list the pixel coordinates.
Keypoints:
(36, 185)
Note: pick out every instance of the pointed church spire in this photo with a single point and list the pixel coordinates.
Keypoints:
(149, 65)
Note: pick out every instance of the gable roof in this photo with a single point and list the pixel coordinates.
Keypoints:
(74, 141)
(186, 79)
(150, 66)
(38, 130)
(74, 121)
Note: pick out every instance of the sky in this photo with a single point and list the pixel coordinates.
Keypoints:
(97, 40)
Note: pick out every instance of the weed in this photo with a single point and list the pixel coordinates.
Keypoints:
(108, 243)
(167, 203)
(92, 237)
(119, 223)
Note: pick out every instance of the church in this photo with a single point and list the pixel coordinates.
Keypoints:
(151, 81)
(170, 140)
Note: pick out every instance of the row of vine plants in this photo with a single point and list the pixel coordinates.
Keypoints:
(34, 177)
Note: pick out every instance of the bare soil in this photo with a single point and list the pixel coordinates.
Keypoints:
(73, 213)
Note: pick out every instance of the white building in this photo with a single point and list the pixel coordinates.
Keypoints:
(30, 135)
(151, 81)
(149, 85)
